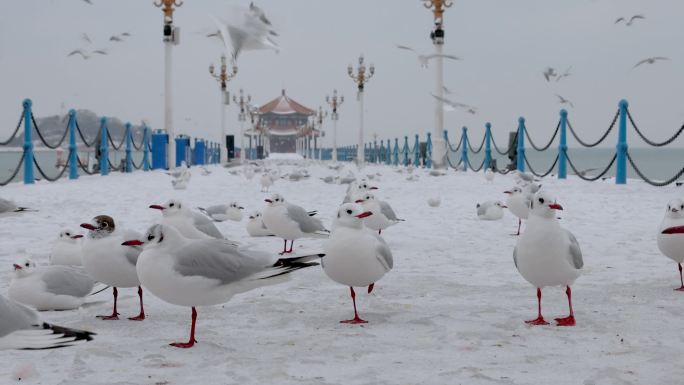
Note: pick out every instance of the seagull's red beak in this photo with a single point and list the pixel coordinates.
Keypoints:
(364, 214)
(88, 226)
(555, 206)
(507, 192)
(268, 200)
(358, 201)
(674, 230)
(157, 207)
(133, 242)
(17, 267)
(77, 236)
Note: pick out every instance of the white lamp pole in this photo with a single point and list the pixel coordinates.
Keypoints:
(223, 77)
(360, 78)
(334, 103)
(242, 102)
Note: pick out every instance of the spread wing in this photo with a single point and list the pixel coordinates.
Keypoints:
(306, 223)
(216, 259)
(575, 251)
(62, 280)
(14, 316)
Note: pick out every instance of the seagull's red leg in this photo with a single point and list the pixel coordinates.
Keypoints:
(291, 246)
(192, 341)
(681, 288)
(140, 316)
(115, 314)
(284, 247)
(540, 320)
(569, 320)
(370, 287)
(356, 319)
(379, 231)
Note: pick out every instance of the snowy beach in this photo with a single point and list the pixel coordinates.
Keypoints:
(450, 312)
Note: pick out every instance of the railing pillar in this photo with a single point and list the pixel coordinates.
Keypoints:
(73, 150)
(520, 155)
(129, 150)
(405, 151)
(416, 152)
(621, 172)
(428, 151)
(28, 144)
(146, 149)
(104, 148)
(396, 152)
(464, 148)
(488, 147)
(563, 146)
(375, 151)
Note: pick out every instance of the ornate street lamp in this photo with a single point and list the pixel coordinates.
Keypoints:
(223, 77)
(334, 103)
(318, 122)
(242, 116)
(360, 78)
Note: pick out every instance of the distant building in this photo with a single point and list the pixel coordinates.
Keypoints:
(282, 119)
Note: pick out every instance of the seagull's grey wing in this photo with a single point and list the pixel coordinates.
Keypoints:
(387, 211)
(575, 251)
(641, 62)
(306, 223)
(405, 47)
(100, 51)
(515, 256)
(384, 254)
(481, 210)
(661, 58)
(62, 280)
(7, 206)
(637, 17)
(452, 57)
(215, 259)
(14, 316)
(217, 209)
(619, 20)
(206, 225)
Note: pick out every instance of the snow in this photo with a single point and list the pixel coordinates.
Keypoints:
(284, 156)
(450, 312)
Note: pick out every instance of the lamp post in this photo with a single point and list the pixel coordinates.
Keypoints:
(437, 36)
(253, 118)
(242, 102)
(223, 77)
(318, 119)
(360, 78)
(334, 103)
(171, 36)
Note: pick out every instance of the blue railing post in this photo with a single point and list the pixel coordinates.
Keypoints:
(405, 151)
(488, 147)
(428, 151)
(621, 172)
(129, 150)
(375, 151)
(388, 152)
(146, 149)
(73, 150)
(520, 156)
(396, 151)
(464, 148)
(28, 144)
(416, 152)
(104, 148)
(563, 146)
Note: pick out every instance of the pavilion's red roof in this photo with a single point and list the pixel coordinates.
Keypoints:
(283, 105)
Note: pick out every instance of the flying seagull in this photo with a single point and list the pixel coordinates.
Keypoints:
(563, 100)
(116, 38)
(564, 74)
(631, 20)
(258, 13)
(88, 2)
(100, 51)
(424, 59)
(245, 31)
(549, 73)
(84, 55)
(651, 60)
(126, 34)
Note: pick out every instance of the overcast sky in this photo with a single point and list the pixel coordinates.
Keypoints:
(505, 45)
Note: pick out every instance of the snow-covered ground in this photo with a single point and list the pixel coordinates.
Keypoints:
(451, 311)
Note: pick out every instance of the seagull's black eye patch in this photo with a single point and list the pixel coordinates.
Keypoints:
(541, 200)
(171, 205)
(349, 212)
(150, 237)
(27, 264)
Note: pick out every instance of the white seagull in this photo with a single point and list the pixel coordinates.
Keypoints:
(191, 224)
(490, 210)
(219, 213)
(67, 249)
(204, 272)
(108, 262)
(354, 256)
(20, 328)
(356, 190)
(518, 201)
(255, 226)
(547, 254)
(489, 175)
(650, 60)
(671, 235)
(424, 59)
(383, 215)
(290, 222)
(8, 208)
(631, 20)
(266, 181)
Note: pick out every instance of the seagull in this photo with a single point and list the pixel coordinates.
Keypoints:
(126, 34)
(290, 222)
(563, 100)
(424, 59)
(631, 19)
(220, 213)
(179, 184)
(84, 55)
(255, 226)
(518, 202)
(259, 13)
(549, 73)
(490, 210)
(266, 182)
(354, 190)
(650, 60)
(116, 38)
(204, 272)
(472, 110)
(50, 287)
(100, 52)
(106, 261)
(20, 328)
(434, 201)
(8, 208)
(354, 256)
(245, 31)
(489, 175)
(547, 254)
(383, 215)
(671, 235)
(67, 250)
(88, 2)
(191, 224)
(451, 105)
(564, 74)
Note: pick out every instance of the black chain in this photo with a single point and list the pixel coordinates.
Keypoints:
(529, 139)
(16, 170)
(585, 144)
(135, 166)
(80, 133)
(590, 179)
(476, 169)
(59, 143)
(460, 142)
(111, 141)
(652, 143)
(480, 148)
(138, 147)
(497, 148)
(651, 182)
(111, 166)
(83, 167)
(16, 130)
(59, 176)
(503, 172)
(544, 174)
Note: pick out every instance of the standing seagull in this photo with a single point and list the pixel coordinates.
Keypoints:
(67, 250)
(9, 208)
(353, 256)
(290, 222)
(651, 60)
(383, 215)
(518, 202)
(20, 328)
(220, 213)
(548, 255)
(204, 272)
(255, 226)
(108, 262)
(671, 235)
(191, 224)
(424, 59)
